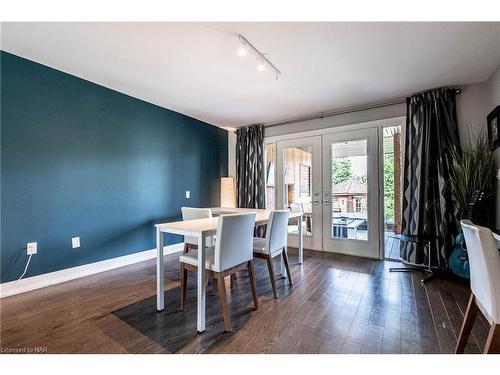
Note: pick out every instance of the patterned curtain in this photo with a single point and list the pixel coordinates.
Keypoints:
(428, 207)
(250, 166)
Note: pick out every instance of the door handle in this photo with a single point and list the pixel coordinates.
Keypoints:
(326, 202)
(316, 201)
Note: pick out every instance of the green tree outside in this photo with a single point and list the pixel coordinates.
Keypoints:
(341, 170)
(389, 187)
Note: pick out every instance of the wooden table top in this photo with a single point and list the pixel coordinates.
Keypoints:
(208, 226)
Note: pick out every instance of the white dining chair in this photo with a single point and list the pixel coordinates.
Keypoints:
(232, 252)
(484, 262)
(274, 244)
(192, 213)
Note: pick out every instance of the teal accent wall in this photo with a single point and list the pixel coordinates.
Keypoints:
(78, 159)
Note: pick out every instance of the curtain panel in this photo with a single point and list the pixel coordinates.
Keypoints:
(250, 166)
(428, 207)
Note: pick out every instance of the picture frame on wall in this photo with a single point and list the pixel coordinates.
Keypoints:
(493, 120)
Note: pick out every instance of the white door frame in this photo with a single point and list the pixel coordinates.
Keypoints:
(371, 247)
(380, 124)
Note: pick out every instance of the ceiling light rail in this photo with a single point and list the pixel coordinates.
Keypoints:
(263, 60)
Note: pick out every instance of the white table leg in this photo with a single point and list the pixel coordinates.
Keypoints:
(160, 272)
(201, 284)
(301, 241)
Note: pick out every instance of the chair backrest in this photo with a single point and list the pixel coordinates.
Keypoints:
(234, 243)
(277, 230)
(307, 207)
(192, 213)
(484, 262)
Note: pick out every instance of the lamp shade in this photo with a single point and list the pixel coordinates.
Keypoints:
(227, 192)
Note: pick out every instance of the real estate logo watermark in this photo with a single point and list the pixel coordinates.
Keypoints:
(23, 350)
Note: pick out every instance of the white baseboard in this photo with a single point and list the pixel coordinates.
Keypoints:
(35, 282)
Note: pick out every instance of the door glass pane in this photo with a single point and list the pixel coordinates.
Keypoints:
(297, 189)
(270, 187)
(350, 190)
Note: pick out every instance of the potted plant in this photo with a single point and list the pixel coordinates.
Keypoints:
(473, 186)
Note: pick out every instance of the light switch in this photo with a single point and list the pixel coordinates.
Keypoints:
(75, 242)
(188, 194)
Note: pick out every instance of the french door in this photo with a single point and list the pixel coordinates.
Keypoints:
(351, 193)
(334, 180)
(299, 187)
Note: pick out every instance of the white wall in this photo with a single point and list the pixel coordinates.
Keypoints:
(473, 105)
(231, 153)
(494, 88)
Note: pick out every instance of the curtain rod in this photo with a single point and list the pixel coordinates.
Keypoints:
(341, 111)
(334, 113)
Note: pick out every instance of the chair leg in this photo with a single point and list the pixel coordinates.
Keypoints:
(287, 266)
(214, 285)
(252, 284)
(183, 286)
(207, 278)
(271, 274)
(223, 302)
(493, 341)
(470, 316)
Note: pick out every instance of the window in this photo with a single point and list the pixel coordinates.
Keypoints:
(358, 204)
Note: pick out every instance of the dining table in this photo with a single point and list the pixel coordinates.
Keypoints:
(201, 229)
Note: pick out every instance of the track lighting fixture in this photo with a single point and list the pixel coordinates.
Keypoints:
(262, 60)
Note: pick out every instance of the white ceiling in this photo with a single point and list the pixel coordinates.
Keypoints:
(194, 68)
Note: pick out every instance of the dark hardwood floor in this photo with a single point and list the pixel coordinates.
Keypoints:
(338, 304)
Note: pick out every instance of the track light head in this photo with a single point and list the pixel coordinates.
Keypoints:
(242, 51)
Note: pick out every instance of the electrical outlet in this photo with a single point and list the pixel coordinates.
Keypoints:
(75, 242)
(188, 194)
(31, 248)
